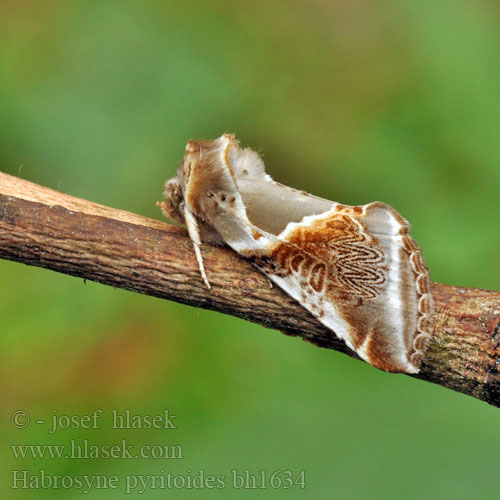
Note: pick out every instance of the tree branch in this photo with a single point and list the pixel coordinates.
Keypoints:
(45, 228)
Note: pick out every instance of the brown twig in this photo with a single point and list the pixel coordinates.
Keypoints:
(42, 227)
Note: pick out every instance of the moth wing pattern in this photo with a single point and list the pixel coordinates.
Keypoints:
(357, 282)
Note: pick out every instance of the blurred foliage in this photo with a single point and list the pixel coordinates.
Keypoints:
(354, 101)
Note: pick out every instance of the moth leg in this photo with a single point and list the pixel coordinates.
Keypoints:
(194, 234)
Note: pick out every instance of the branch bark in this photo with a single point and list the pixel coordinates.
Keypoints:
(45, 228)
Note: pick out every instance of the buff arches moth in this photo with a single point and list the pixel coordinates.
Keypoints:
(355, 268)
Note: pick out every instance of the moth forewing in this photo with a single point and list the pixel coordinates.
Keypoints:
(355, 268)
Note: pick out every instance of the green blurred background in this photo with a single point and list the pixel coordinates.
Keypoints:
(354, 101)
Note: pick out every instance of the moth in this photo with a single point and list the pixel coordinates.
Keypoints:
(355, 268)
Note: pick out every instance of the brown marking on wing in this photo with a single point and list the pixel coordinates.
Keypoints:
(349, 209)
(317, 278)
(335, 256)
(379, 352)
(296, 261)
(354, 315)
(338, 257)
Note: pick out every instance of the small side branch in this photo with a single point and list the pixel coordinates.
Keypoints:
(45, 228)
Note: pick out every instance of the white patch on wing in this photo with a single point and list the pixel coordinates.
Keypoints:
(331, 318)
(395, 297)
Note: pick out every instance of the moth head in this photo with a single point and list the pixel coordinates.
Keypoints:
(208, 176)
(173, 206)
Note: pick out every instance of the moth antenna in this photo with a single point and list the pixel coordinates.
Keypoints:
(194, 234)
